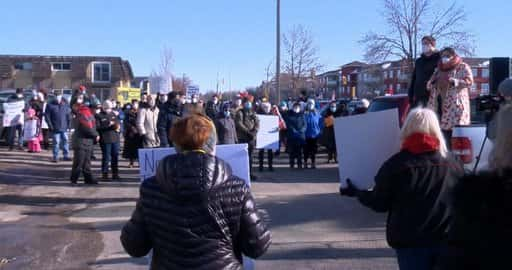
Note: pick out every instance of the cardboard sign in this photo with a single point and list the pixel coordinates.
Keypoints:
(364, 142)
(13, 113)
(268, 135)
(30, 130)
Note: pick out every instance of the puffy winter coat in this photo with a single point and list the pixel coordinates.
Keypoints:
(195, 214)
(108, 127)
(146, 123)
(247, 126)
(85, 130)
(417, 191)
(314, 124)
(296, 124)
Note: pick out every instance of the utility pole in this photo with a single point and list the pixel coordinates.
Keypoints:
(278, 50)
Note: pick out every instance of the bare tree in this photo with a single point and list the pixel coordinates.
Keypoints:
(166, 62)
(302, 59)
(408, 21)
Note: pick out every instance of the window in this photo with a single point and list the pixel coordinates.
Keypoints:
(101, 71)
(23, 66)
(485, 89)
(485, 73)
(398, 73)
(475, 72)
(61, 66)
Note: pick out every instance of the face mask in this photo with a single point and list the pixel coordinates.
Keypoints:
(311, 107)
(58, 98)
(296, 109)
(163, 99)
(426, 48)
(98, 111)
(183, 101)
(128, 107)
(151, 103)
(284, 108)
(136, 106)
(238, 102)
(226, 113)
(333, 109)
(108, 110)
(215, 101)
(80, 101)
(248, 106)
(194, 100)
(445, 59)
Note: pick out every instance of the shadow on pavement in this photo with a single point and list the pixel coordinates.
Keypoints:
(124, 260)
(329, 253)
(55, 201)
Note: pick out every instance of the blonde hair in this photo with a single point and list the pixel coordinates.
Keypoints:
(501, 157)
(421, 120)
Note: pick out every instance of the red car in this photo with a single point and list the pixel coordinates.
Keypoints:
(401, 102)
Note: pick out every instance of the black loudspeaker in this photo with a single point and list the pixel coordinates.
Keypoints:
(499, 70)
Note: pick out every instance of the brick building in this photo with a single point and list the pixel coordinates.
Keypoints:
(101, 75)
(350, 78)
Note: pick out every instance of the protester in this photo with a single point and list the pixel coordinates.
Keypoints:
(449, 92)
(213, 107)
(161, 100)
(296, 124)
(328, 139)
(483, 208)
(32, 131)
(281, 112)
(109, 128)
(147, 124)
(247, 126)
(225, 125)
(83, 140)
(45, 129)
(423, 70)
(132, 137)
(16, 127)
(170, 112)
(416, 187)
(143, 101)
(221, 222)
(265, 108)
(58, 116)
(314, 125)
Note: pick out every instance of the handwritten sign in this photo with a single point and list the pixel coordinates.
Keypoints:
(13, 113)
(268, 135)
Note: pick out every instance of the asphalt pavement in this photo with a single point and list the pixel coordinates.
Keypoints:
(46, 223)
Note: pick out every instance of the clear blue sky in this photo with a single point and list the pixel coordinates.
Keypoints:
(233, 38)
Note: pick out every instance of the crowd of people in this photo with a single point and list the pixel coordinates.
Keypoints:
(147, 123)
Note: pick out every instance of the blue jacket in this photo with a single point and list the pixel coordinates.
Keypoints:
(58, 116)
(314, 124)
(296, 124)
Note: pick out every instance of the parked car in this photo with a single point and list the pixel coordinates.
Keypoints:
(400, 102)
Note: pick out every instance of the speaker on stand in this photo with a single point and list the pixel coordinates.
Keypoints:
(499, 70)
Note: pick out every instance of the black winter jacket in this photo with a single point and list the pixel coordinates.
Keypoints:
(417, 191)
(226, 130)
(423, 70)
(108, 127)
(169, 113)
(482, 230)
(195, 214)
(247, 126)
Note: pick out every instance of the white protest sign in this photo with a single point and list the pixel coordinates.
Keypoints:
(236, 155)
(30, 130)
(268, 135)
(13, 113)
(364, 142)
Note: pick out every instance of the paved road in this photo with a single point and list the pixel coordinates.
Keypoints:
(47, 224)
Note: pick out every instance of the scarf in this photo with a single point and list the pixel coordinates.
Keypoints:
(445, 71)
(418, 143)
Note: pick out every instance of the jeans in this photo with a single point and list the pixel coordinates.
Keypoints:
(12, 135)
(420, 258)
(60, 140)
(110, 155)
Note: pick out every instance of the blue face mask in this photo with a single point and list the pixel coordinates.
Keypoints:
(248, 106)
(333, 109)
(227, 113)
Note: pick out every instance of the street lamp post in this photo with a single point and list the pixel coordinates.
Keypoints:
(278, 50)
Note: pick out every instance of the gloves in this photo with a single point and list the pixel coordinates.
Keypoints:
(349, 191)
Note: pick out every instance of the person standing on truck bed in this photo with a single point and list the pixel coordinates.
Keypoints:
(449, 91)
(423, 70)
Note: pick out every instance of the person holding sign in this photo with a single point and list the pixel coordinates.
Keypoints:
(416, 187)
(194, 213)
(247, 127)
(16, 116)
(265, 108)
